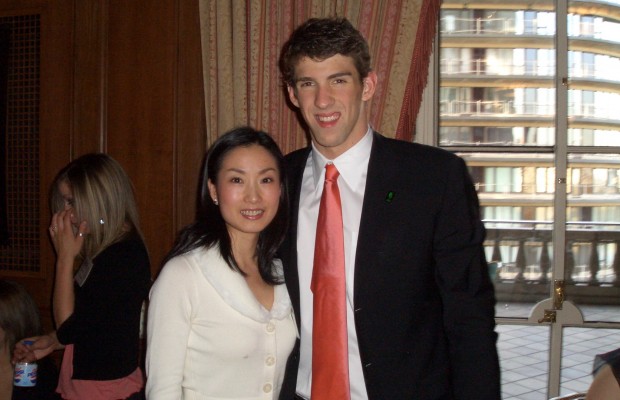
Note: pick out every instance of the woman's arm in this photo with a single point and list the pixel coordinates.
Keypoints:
(40, 347)
(604, 386)
(67, 246)
(169, 325)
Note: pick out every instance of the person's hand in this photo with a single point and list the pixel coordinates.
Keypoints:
(67, 242)
(40, 347)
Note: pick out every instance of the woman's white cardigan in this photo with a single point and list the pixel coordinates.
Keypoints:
(208, 337)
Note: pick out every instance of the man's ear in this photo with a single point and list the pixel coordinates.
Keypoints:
(369, 86)
(292, 95)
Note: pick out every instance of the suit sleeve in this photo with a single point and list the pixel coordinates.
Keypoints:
(466, 289)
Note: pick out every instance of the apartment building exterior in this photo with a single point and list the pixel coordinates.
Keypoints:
(529, 96)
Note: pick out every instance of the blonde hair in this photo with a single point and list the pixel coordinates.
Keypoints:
(103, 195)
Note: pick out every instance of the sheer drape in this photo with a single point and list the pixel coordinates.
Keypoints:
(241, 41)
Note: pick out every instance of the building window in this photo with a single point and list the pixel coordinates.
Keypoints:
(528, 98)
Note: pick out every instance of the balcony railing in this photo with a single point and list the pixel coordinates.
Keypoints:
(520, 257)
(527, 68)
(497, 26)
(490, 108)
(546, 187)
(483, 67)
(451, 25)
(494, 107)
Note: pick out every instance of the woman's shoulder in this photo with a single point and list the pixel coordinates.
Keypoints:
(194, 256)
(130, 247)
(127, 256)
(190, 262)
(182, 272)
(611, 358)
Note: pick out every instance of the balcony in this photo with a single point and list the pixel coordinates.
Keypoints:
(520, 261)
(509, 113)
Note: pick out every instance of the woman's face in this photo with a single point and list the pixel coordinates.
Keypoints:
(67, 194)
(247, 190)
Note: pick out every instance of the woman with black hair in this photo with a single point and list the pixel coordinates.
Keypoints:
(220, 321)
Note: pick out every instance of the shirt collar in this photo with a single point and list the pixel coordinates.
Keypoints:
(351, 164)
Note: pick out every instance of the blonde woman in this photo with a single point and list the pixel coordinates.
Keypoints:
(97, 309)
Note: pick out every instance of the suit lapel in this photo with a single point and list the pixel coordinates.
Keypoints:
(295, 164)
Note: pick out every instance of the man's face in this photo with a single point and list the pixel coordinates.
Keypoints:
(333, 102)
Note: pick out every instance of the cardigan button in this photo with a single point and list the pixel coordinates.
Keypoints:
(267, 387)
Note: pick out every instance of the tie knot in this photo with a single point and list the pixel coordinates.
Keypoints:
(331, 172)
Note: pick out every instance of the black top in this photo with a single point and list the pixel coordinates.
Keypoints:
(104, 327)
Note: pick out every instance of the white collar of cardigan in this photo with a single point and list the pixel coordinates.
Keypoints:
(233, 289)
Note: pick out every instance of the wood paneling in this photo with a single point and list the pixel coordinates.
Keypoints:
(54, 122)
(141, 118)
(155, 110)
(123, 77)
(89, 118)
(190, 143)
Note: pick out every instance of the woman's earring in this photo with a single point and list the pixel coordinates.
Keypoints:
(215, 202)
(101, 221)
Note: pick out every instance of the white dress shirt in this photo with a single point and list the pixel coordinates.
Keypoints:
(352, 166)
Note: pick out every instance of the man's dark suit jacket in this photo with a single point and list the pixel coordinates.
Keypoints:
(424, 302)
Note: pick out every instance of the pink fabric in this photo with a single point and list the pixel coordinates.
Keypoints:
(74, 389)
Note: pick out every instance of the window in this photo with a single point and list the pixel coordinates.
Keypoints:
(528, 98)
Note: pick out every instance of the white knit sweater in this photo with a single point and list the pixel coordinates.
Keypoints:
(209, 338)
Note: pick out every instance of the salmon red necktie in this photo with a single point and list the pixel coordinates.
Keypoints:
(330, 366)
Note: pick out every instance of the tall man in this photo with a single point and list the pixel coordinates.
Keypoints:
(418, 298)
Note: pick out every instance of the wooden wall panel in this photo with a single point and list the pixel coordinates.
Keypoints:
(54, 122)
(155, 112)
(190, 144)
(138, 96)
(141, 118)
(123, 77)
(89, 77)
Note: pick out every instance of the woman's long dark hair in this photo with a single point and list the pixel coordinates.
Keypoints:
(209, 228)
